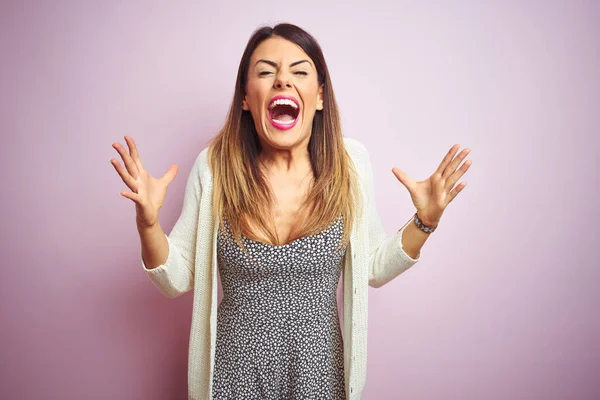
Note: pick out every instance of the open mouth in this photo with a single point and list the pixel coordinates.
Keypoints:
(283, 112)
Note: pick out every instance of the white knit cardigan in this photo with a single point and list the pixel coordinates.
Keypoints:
(374, 259)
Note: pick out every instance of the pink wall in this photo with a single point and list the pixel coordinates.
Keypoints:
(503, 305)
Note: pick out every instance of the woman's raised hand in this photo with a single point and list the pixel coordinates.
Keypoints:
(148, 193)
(432, 196)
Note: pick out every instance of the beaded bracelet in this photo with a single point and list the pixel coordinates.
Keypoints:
(421, 226)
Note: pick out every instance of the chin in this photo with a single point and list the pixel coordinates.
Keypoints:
(283, 138)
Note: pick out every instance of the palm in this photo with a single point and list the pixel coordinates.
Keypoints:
(148, 193)
(152, 194)
(432, 196)
(424, 193)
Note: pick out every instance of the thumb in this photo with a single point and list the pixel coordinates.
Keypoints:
(404, 179)
(170, 174)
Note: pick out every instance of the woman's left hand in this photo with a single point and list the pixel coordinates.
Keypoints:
(432, 196)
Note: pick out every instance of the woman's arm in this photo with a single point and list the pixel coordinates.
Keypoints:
(430, 197)
(169, 260)
(155, 246)
(387, 256)
(413, 239)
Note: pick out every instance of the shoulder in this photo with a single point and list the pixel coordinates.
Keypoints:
(357, 152)
(202, 159)
(200, 168)
(354, 146)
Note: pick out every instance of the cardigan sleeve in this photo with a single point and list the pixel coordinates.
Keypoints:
(387, 258)
(176, 276)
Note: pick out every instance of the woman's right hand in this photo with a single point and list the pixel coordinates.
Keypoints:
(148, 193)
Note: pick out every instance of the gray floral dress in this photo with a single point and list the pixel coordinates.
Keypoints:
(278, 332)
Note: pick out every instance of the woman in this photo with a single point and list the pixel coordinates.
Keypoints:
(279, 205)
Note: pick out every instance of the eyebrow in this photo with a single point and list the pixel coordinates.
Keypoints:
(274, 64)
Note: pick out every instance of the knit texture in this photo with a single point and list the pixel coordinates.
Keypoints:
(373, 259)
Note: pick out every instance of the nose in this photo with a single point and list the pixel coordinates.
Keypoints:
(283, 81)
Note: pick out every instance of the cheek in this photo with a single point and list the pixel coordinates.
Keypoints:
(312, 101)
(255, 95)
(252, 101)
(311, 95)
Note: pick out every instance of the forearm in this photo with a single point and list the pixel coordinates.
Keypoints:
(155, 247)
(413, 239)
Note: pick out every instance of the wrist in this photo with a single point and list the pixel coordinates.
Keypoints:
(143, 228)
(425, 225)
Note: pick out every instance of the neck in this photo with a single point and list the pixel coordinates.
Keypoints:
(285, 160)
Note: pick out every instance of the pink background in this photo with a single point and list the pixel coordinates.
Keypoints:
(503, 305)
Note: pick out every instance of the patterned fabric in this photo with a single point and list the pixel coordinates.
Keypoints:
(278, 332)
(373, 259)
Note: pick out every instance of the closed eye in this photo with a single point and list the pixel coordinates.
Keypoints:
(265, 73)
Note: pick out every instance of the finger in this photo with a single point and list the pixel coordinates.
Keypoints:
(457, 175)
(131, 196)
(170, 174)
(454, 192)
(404, 179)
(127, 160)
(135, 155)
(442, 167)
(450, 169)
(125, 176)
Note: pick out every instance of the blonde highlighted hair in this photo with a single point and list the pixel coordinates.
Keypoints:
(240, 191)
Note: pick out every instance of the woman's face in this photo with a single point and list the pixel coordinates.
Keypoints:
(282, 93)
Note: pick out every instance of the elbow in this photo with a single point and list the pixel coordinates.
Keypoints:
(170, 287)
(172, 292)
(376, 283)
(377, 275)
(379, 279)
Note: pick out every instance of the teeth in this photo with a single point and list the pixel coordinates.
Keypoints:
(284, 122)
(280, 102)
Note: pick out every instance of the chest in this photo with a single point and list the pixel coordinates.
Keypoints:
(289, 195)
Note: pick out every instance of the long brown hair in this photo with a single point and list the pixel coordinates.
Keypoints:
(240, 190)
